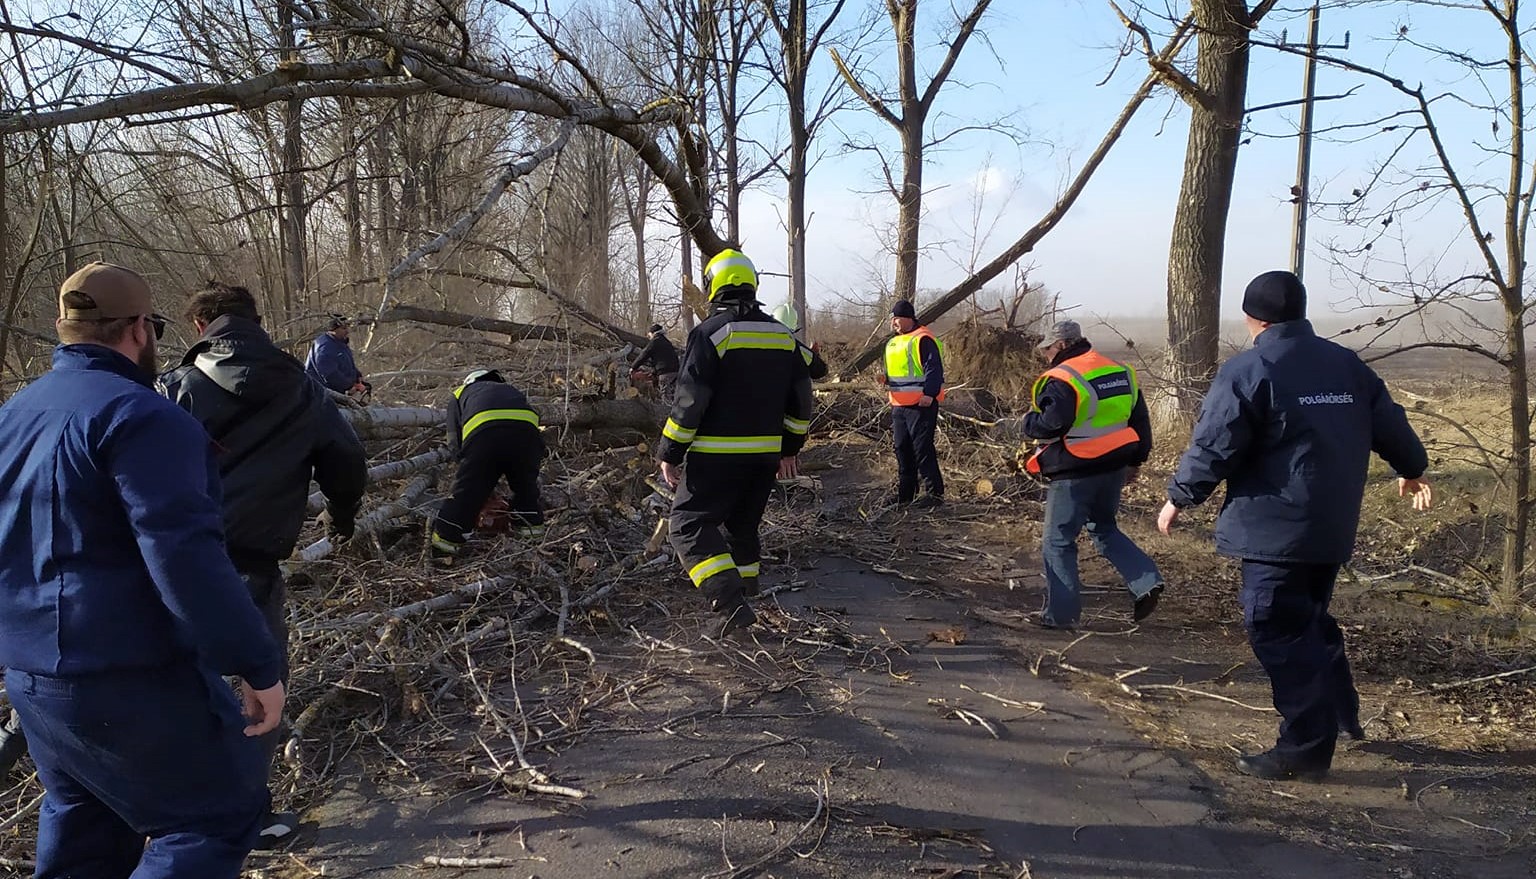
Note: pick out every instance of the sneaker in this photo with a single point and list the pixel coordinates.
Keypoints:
(928, 502)
(1270, 767)
(278, 828)
(1146, 604)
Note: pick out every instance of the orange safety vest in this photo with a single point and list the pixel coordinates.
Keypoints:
(904, 367)
(1106, 394)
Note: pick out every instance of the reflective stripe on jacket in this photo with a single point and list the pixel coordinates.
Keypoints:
(484, 403)
(1107, 392)
(744, 388)
(904, 373)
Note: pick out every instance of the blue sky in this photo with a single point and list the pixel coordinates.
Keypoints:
(1109, 255)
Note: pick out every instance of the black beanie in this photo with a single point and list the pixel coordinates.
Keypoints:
(1275, 297)
(903, 308)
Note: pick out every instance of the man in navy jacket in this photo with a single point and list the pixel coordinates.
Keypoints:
(120, 611)
(1290, 425)
(330, 360)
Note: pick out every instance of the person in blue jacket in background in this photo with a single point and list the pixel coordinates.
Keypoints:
(330, 360)
(120, 611)
(1290, 426)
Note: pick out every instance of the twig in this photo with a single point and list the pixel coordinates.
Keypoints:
(464, 863)
(1193, 692)
(22, 815)
(746, 870)
(1438, 688)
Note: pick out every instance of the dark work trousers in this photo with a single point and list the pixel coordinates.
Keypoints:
(1296, 639)
(154, 753)
(271, 596)
(494, 452)
(666, 383)
(722, 491)
(913, 428)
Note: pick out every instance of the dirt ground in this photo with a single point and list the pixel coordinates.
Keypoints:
(899, 716)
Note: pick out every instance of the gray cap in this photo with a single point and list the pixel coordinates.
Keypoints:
(1063, 331)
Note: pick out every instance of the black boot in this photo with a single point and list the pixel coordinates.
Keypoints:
(1272, 767)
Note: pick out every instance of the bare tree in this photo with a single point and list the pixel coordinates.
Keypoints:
(799, 43)
(1437, 163)
(1215, 95)
(909, 117)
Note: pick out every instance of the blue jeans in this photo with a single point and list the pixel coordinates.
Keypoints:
(157, 754)
(1091, 502)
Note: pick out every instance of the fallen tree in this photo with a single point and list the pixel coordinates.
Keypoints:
(509, 328)
(972, 285)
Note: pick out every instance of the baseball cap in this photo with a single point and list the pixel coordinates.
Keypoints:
(1275, 297)
(1063, 331)
(111, 291)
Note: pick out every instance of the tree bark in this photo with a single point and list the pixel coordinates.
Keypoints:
(293, 217)
(1198, 243)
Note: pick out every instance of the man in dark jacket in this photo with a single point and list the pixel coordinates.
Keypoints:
(330, 359)
(1090, 412)
(743, 408)
(273, 430)
(914, 380)
(1290, 425)
(661, 357)
(120, 611)
(493, 433)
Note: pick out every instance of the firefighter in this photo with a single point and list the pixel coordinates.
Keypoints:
(742, 412)
(914, 380)
(494, 434)
(661, 357)
(1092, 421)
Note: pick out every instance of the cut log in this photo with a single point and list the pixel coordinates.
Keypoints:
(387, 471)
(362, 420)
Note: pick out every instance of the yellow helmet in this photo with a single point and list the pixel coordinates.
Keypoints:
(729, 268)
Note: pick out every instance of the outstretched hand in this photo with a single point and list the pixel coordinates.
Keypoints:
(1418, 490)
(1167, 517)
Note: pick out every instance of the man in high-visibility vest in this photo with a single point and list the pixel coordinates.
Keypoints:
(494, 433)
(914, 380)
(743, 408)
(1089, 412)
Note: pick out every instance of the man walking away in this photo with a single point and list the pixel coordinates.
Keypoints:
(914, 378)
(742, 412)
(494, 433)
(659, 354)
(1290, 425)
(330, 360)
(120, 612)
(1090, 413)
(274, 430)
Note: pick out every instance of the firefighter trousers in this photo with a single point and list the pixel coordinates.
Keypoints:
(489, 456)
(715, 516)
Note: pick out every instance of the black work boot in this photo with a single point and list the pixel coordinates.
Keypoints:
(1143, 606)
(740, 617)
(1272, 767)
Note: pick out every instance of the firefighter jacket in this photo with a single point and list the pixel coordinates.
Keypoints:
(659, 354)
(273, 430)
(914, 367)
(1090, 411)
(744, 389)
(491, 408)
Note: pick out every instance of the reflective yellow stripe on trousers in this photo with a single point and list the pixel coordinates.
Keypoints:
(715, 564)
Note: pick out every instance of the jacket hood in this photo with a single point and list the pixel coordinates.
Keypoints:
(1291, 329)
(237, 355)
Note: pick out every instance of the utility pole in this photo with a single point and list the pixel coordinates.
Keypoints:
(1302, 190)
